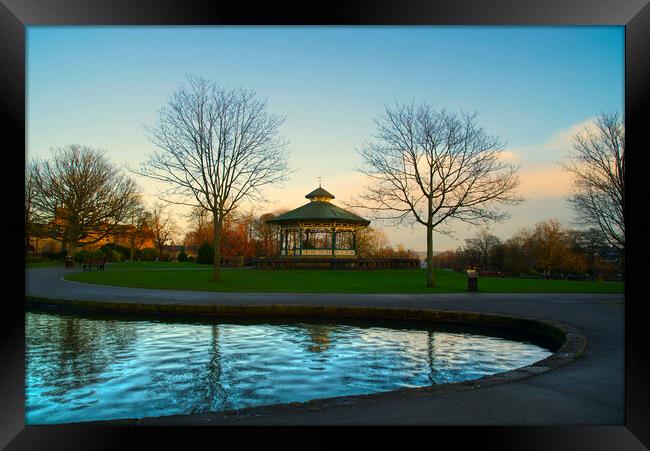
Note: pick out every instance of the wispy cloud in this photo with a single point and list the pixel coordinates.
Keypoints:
(554, 149)
(539, 181)
(540, 173)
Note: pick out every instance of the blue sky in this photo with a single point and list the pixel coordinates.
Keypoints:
(533, 86)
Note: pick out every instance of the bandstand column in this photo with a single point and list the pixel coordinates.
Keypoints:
(300, 237)
(286, 242)
(333, 240)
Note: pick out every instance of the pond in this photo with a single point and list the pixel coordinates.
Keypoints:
(85, 368)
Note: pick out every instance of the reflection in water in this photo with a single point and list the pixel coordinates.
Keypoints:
(216, 395)
(73, 350)
(319, 335)
(431, 358)
(83, 368)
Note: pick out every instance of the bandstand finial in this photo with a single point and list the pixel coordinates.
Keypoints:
(320, 179)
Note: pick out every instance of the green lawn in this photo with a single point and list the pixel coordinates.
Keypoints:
(142, 275)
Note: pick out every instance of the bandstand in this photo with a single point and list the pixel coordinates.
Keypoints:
(318, 229)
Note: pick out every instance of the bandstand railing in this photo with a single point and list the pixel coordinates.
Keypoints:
(335, 263)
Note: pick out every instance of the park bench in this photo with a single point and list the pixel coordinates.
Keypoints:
(89, 262)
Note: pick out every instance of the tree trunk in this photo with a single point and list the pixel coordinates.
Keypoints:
(216, 269)
(132, 252)
(430, 282)
(73, 250)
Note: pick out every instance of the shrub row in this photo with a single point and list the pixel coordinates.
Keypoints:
(117, 253)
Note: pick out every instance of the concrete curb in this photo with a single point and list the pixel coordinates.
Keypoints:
(570, 341)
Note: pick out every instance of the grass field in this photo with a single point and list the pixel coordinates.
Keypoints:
(190, 276)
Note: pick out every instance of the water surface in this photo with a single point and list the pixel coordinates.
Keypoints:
(82, 368)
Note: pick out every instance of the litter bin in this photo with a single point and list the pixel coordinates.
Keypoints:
(68, 261)
(472, 280)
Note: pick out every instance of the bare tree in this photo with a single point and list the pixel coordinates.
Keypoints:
(200, 228)
(482, 245)
(30, 192)
(216, 148)
(371, 241)
(589, 243)
(266, 235)
(163, 226)
(429, 166)
(139, 229)
(597, 163)
(80, 196)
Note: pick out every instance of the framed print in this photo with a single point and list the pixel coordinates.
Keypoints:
(369, 215)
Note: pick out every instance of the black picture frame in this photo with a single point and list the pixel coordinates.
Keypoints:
(15, 15)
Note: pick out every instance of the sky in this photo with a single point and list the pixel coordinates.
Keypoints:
(532, 86)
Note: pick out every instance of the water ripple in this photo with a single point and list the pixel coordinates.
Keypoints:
(84, 368)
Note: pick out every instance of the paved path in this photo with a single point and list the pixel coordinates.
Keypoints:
(589, 390)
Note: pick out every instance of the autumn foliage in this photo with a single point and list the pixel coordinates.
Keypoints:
(248, 235)
(548, 249)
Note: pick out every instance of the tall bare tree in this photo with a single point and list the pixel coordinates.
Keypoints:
(216, 148)
(429, 166)
(80, 196)
(597, 163)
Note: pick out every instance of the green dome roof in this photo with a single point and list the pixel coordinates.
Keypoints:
(320, 210)
(319, 192)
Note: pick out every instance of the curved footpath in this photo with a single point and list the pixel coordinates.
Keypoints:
(587, 391)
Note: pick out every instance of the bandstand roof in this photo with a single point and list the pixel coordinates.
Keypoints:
(319, 192)
(320, 210)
